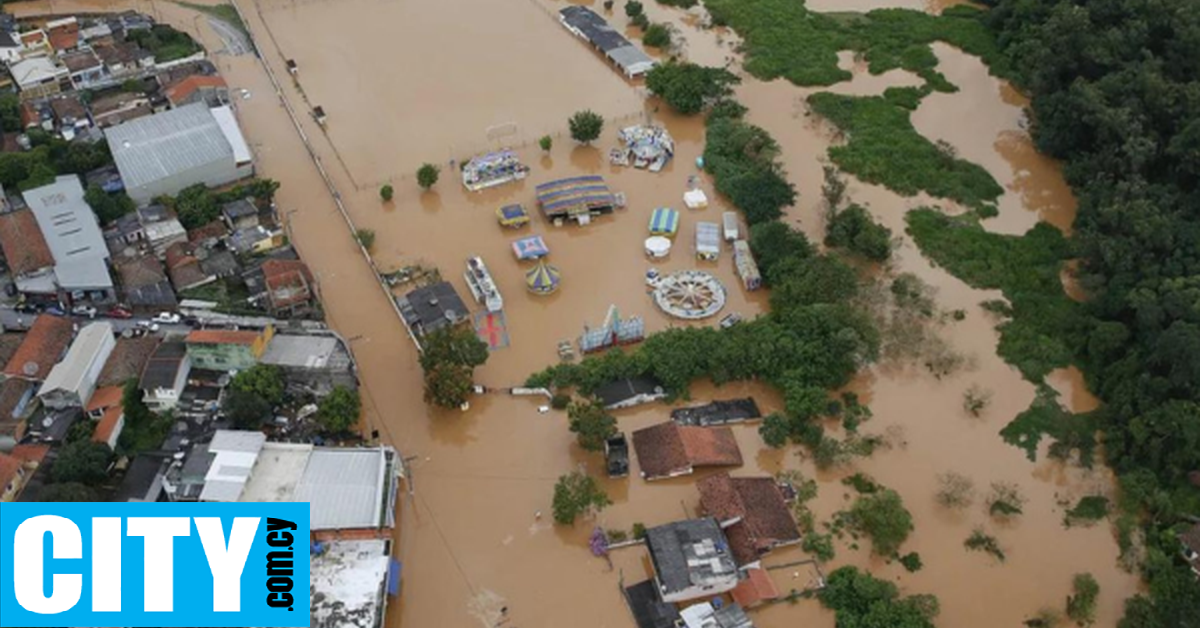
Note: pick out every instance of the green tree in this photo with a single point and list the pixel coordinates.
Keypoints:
(10, 113)
(448, 385)
(427, 175)
(108, 207)
(576, 494)
(195, 206)
(585, 126)
(861, 600)
(853, 229)
(339, 410)
(688, 87)
(247, 410)
(545, 142)
(365, 237)
(775, 430)
(1081, 605)
(133, 86)
(820, 279)
(591, 424)
(774, 242)
(82, 461)
(882, 517)
(386, 192)
(67, 492)
(453, 345)
(633, 8)
(263, 380)
(657, 36)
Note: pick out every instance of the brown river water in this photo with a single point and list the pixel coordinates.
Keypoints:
(409, 82)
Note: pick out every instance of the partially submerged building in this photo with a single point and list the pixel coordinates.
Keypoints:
(167, 152)
(629, 392)
(430, 308)
(668, 449)
(691, 560)
(73, 380)
(313, 363)
(718, 413)
(575, 198)
(753, 513)
(589, 26)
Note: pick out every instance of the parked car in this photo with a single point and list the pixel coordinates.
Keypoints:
(167, 318)
(729, 320)
(84, 310)
(119, 312)
(147, 325)
(54, 310)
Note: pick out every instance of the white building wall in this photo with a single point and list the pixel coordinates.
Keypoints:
(212, 174)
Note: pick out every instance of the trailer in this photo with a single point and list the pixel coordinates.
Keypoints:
(729, 221)
(616, 456)
(708, 241)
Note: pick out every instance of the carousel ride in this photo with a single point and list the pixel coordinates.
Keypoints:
(689, 294)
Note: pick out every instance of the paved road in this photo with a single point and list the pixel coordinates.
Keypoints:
(235, 41)
(12, 320)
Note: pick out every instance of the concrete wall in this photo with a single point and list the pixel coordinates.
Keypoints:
(212, 174)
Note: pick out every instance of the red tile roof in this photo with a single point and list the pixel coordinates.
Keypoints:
(127, 360)
(288, 282)
(670, 449)
(182, 89)
(11, 463)
(105, 398)
(759, 504)
(222, 337)
(213, 230)
(107, 424)
(44, 345)
(65, 36)
(12, 391)
(24, 246)
(8, 470)
(755, 588)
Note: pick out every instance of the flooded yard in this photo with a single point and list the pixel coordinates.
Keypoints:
(405, 83)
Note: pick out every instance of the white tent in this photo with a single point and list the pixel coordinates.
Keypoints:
(658, 246)
(695, 199)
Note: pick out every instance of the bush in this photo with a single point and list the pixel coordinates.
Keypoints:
(82, 462)
(365, 237)
(639, 530)
(854, 230)
(860, 599)
(545, 142)
(560, 401)
(591, 424)
(743, 160)
(911, 562)
(1081, 607)
(633, 8)
(427, 175)
(576, 494)
(657, 36)
(1088, 510)
(820, 546)
(585, 126)
(386, 192)
(1005, 501)
(980, 541)
(955, 490)
(339, 410)
(264, 380)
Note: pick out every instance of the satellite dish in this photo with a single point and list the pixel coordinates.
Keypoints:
(30, 368)
(47, 422)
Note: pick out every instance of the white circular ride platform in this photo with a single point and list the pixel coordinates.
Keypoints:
(690, 294)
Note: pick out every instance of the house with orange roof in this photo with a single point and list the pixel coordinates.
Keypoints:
(28, 255)
(289, 286)
(17, 466)
(753, 513)
(225, 350)
(44, 345)
(63, 34)
(211, 90)
(104, 398)
(668, 449)
(108, 428)
(754, 589)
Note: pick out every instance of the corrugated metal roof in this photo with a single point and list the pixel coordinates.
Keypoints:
(233, 133)
(93, 343)
(72, 233)
(345, 487)
(155, 147)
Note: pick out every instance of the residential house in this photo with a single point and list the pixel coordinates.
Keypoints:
(39, 77)
(160, 228)
(706, 615)
(629, 392)
(254, 240)
(70, 114)
(289, 287)
(197, 88)
(15, 407)
(753, 513)
(106, 177)
(123, 58)
(312, 363)
(165, 376)
(208, 235)
(10, 47)
(104, 399)
(73, 235)
(218, 263)
(34, 42)
(648, 608)
(127, 229)
(240, 214)
(167, 152)
(109, 427)
(756, 587)
(72, 381)
(1190, 542)
(93, 30)
(430, 308)
(691, 560)
(127, 361)
(144, 283)
(16, 467)
(29, 259)
(184, 267)
(63, 34)
(84, 68)
(222, 350)
(669, 449)
(114, 109)
(44, 344)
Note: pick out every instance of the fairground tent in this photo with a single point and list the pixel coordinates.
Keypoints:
(542, 279)
(512, 216)
(664, 221)
(532, 247)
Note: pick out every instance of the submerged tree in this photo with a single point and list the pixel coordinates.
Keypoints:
(591, 424)
(386, 192)
(427, 175)
(339, 410)
(576, 494)
(585, 126)
(882, 517)
(688, 87)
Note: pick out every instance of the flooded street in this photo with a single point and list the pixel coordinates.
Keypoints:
(405, 83)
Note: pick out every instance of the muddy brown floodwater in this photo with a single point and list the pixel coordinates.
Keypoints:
(409, 82)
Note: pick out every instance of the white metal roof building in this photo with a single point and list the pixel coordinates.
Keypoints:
(167, 152)
(69, 226)
(348, 580)
(73, 380)
(235, 454)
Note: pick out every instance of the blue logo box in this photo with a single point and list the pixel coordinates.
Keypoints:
(153, 564)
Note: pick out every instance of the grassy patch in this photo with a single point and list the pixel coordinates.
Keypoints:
(884, 148)
(784, 39)
(229, 296)
(1046, 326)
(1088, 510)
(224, 12)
